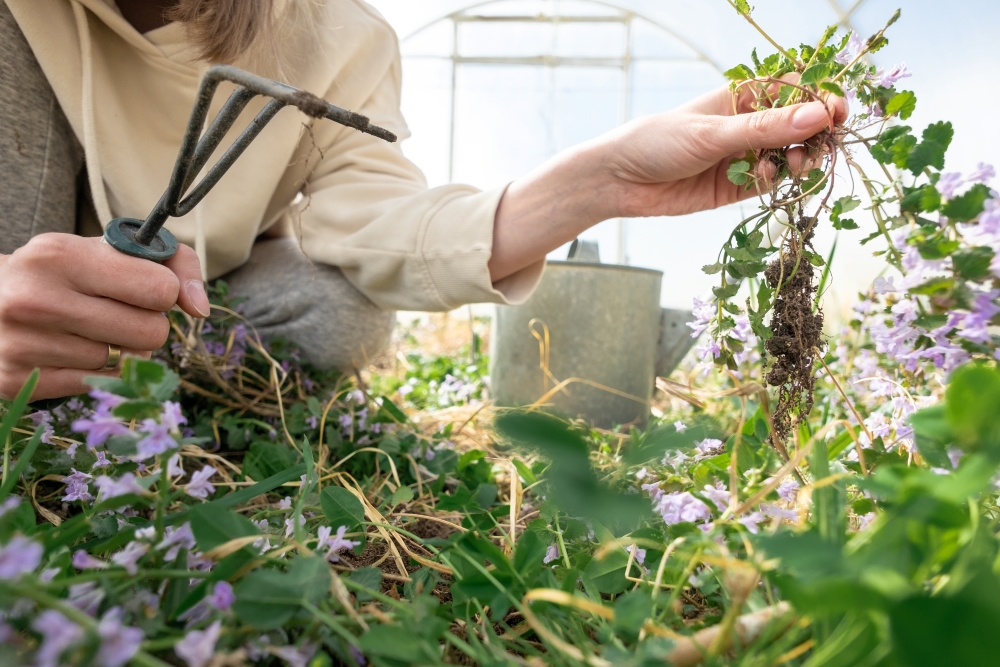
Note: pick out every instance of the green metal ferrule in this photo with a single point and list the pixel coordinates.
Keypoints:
(120, 235)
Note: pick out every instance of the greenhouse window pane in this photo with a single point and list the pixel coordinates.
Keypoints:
(492, 40)
(587, 103)
(649, 41)
(435, 40)
(427, 109)
(590, 40)
(661, 86)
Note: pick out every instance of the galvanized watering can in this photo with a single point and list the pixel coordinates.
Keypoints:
(589, 343)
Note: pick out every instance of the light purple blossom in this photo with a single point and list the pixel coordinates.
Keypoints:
(949, 183)
(852, 50)
(99, 427)
(9, 505)
(788, 490)
(312, 421)
(703, 311)
(296, 657)
(884, 285)
(112, 488)
(174, 467)
(285, 503)
(889, 78)
(654, 491)
(743, 331)
(58, 634)
(172, 417)
(86, 597)
(680, 426)
(129, 556)
(175, 539)
(101, 462)
(778, 512)
(222, 597)
(118, 642)
(84, 561)
(198, 646)
(551, 554)
(718, 494)
(710, 350)
(751, 521)
(682, 507)
(77, 487)
(984, 173)
(106, 401)
(157, 441)
(199, 486)
(709, 447)
(19, 556)
(640, 554)
(334, 544)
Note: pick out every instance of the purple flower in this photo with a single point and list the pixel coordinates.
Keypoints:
(174, 467)
(983, 173)
(157, 440)
(222, 597)
(86, 597)
(680, 426)
(640, 554)
(76, 487)
(58, 634)
(551, 554)
(99, 427)
(172, 417)
(312, 421)
(718, 495)
(888, 79)
(708, 447)
(788, 490)
(106, 402)
(884, 285)
(709, 349)
(742, 331)
(852, 50)
(176, 538)
(129, 556)
(285, 503)
(9, 505)
(296, 657)
(118, 642)
(198, 646)
(682, 507)
(84, 561)
(334, 544)
(750, 521)
(358, 656)
(703, 312)
(199, 486)
(949, 183)
(779, 513)
(19, 556)
(112, 488)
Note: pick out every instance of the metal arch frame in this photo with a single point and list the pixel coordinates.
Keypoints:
(624, 63)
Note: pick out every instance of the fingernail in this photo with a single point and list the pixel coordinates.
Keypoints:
(199, 299)
(808, 116)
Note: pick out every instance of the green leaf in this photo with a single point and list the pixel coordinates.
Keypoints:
(817, 73)
(840, 207)
(16, 410)
(631, 612)
(214, 526)
(268, 599)
(21, 519)
(831, 87)
(743, 7)
(967, 207)
(894, 145)
(370, 578)
(931, 150)
(403, 494)
(525, 472)
(973, 407)
(608, 573)
(937, 247)
(342, 508)
(726, 292)
(528, 554)
(398, 644)
(973, 264)
(933, 286)
(712, 269)
(393, 410)
(815, 259)
(904, 103)
(925, 199)
(739, 172)
(739, 73)
(812, 181)
(266, 459)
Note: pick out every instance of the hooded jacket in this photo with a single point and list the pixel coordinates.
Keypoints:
(363, 206)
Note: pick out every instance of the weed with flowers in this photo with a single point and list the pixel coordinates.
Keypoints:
(226, 504)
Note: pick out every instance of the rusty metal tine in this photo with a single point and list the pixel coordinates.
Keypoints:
(213, 136)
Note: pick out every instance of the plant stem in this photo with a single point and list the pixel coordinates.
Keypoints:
(562, 545)
(764, 34)
(162, 498)
(6, 458)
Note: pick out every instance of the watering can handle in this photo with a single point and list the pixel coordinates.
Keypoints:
(147, 238)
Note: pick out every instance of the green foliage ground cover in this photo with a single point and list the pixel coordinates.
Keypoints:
(226, 504)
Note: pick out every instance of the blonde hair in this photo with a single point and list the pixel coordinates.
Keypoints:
(226, 30)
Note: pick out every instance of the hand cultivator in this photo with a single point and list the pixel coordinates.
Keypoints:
(147, 238)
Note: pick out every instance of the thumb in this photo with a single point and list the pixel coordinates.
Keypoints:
(192, 297)
(771, 128)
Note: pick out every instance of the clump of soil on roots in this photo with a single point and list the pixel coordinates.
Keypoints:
(796, 330)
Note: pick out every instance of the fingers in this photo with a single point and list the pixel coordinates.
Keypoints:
(770, 128)
(23, 350)
(52, 382)
(192, 297)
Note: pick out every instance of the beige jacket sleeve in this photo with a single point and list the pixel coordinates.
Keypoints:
(369, 212)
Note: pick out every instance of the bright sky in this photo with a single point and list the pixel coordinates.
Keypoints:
(508, 122)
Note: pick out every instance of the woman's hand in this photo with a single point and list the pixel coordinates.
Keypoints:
(671, 163)
(64, 298)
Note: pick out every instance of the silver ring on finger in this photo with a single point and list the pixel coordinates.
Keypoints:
(114, 356)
